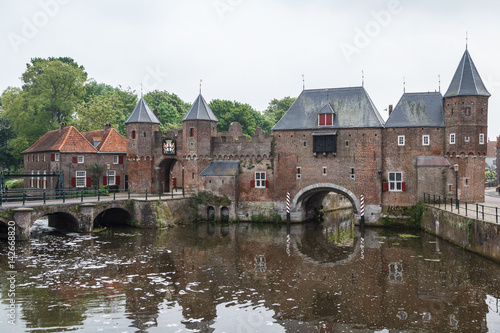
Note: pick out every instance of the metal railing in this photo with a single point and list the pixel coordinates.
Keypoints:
(474, 210)
(84, 194)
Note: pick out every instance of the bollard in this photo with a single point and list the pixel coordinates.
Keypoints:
(159, 194)
(482, 211)
(172, 192)
(128, 190)
(81, 195)
(477, 212)
(44, 197)
(496, 213)
(114, 194)
(183, 195)
(146, 195)
(98, 196)
(24, 197)
(288, 208)
(362, 212)
(466, 208)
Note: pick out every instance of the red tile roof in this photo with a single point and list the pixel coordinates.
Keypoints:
(112, 142)
(65, 140)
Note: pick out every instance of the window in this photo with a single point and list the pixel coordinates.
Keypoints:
(467, 139)
(347, 143)
(260, 179)
(111, 177)
(115, 159)
(80, 178)
(191, 132)
(352, 175)
(56, 157)
(298, 173)
(481, 138)
(324, 171)
(133, 134)
(38, 179)
(325, 143)
(467, 111)
(81, 159)
(144, 134)
(452, 138)
(325, 119)
(425, 140)
(395, 181)
(401, 140)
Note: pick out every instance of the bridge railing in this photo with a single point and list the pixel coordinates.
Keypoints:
(474, 210)
(44, 196)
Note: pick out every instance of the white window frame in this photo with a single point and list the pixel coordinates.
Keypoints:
(401, 140)
(44, 178)
(56, 157)
(299, 174)
(395, 182)
(81, 178)
(111, 177)
(467, 139)
(324, 171)
(452, 138)
(426, 140)
(259, 181)
(481, 138)
(80, 159)
(115, 159)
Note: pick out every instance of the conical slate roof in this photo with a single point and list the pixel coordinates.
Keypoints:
(142, 114)
(200, 111)
(466, 81)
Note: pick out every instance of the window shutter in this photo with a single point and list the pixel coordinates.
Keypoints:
(322, 119)
(403, 186)
(120, 159)
(385, 186)
(252, 183)
(133, 134)
(329, 119)
(267, 183)
(89, 182)
(52, 157)
(104, 180)
(117, 180)
(73, 181)
(75, 159)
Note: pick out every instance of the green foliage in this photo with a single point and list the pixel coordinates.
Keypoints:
(208, 198)
(490, 175)
(7, 160)
(171, 109)
(95, 171)
(258, 218)
(277, 218)
(277, 108)
(14, 183)
(228, 112)
(416, 216)
(51, 89)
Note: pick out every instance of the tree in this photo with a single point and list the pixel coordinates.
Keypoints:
(95, 171)
(228, 112)
(51, 90)
(7, 161)
(278, 107)
(171, 109)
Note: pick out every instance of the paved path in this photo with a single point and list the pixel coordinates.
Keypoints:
(488, 211)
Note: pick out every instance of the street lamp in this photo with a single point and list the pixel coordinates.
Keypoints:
(455, 166)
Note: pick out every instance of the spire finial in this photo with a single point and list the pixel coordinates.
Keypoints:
(303, 82)
(404, 84)
(466, 40)
(200, 85)
(439, 82)
(141, 90)
(362, 78)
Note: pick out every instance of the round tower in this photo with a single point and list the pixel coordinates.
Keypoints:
(141, 127)
(466, 126)
(198, 127)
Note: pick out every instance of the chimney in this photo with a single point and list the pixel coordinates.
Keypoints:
(107, 127)
(155, 111)
(61, 126)
(390, 109)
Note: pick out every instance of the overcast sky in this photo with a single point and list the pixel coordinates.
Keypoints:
(253, 51)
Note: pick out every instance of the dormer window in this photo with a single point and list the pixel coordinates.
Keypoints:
(325, 119)
(325, 116)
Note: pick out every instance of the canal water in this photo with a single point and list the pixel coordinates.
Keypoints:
(248, 278)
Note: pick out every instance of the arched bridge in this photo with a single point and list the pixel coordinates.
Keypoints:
(81, 217)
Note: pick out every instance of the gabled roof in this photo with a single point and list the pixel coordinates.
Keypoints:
(326, 109)
(221, 168)
(109, 140)
(200, 111)
(353, 109)
(65, 140)
(142, 114)
(418, 110)
(466, 81)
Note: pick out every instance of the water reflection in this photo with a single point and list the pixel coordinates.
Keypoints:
(250, 278)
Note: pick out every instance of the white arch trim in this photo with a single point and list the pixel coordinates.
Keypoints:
(326, 187)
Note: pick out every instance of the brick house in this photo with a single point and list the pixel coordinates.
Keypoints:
(68, 152)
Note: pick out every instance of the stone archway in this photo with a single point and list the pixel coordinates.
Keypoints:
(170, 174)
(311, 195)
